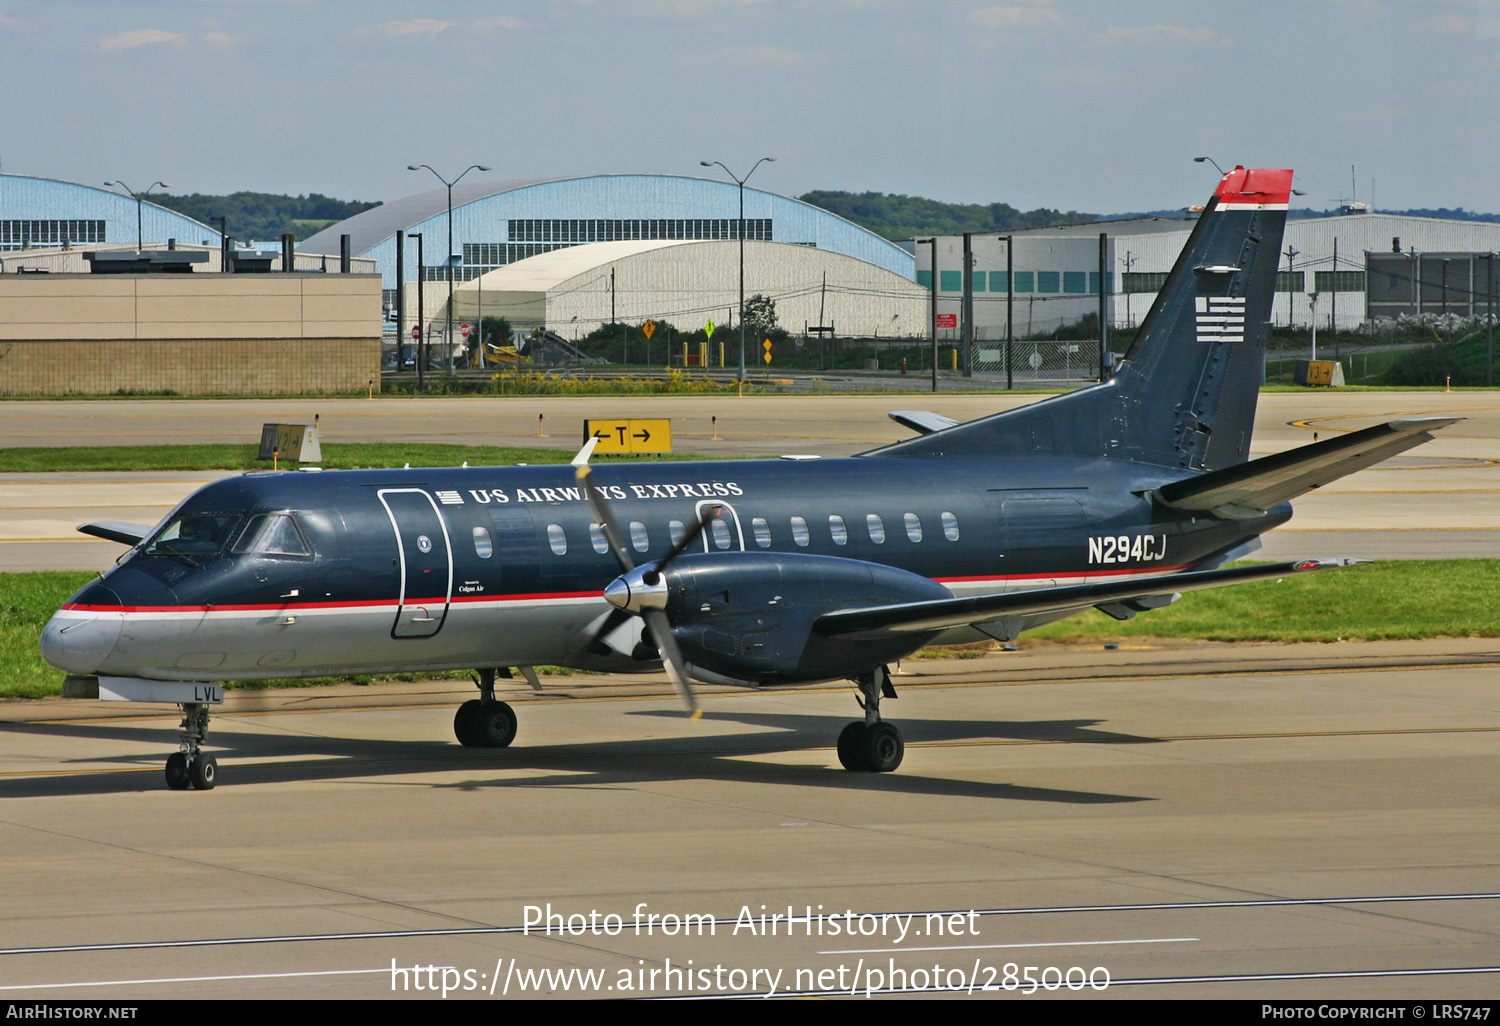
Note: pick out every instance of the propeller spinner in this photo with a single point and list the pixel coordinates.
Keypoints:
(642, 591)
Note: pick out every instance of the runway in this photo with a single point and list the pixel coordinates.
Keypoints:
(1441, 499)
(1217, 821)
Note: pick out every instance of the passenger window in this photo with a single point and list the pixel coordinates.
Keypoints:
(557, 538)
(720, 531)
(638, 536)
(837, 529)
(800, 534)
(950, 527)
(599, 540)
(762, 532)
(876, 527)
(483, 548)
(273, 534)
(913, 527)
(677, 530)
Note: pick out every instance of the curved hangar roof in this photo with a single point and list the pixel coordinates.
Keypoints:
(686, 283)
(498, 222)
(36, 213)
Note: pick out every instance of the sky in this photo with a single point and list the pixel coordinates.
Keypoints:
(1088, 105)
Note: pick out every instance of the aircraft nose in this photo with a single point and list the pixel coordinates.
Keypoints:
(81, 635)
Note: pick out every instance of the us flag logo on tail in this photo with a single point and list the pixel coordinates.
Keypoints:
(1221, 319)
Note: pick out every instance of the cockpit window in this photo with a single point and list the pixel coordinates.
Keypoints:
(195, 535)
(273, 534)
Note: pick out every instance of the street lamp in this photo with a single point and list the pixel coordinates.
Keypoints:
(1215, 163)
(741, 183)
(139, 196)
(448, 329)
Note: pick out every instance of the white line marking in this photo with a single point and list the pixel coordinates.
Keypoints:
(1001, 947)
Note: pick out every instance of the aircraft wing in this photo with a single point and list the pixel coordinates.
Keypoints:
(1249, 489)
(939, 614)
(923, 422)
(116, 531)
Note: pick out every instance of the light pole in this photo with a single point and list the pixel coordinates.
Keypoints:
(448, 328)
(741, 183)
(1215, 163)
(139, 197)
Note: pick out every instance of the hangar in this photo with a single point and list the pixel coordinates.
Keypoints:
(38, 213)
(499, 222)
(686, 283)
(1361, 265)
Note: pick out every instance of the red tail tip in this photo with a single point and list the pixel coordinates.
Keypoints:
(1256, 185)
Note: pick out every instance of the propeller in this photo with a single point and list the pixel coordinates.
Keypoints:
(641, 590)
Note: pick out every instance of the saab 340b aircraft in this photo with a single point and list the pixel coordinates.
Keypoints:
(762, 574)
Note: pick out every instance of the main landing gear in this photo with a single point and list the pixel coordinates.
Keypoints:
(190, 766)
(484, 722)
(872, 745)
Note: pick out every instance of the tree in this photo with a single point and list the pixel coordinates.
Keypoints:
(760, 319)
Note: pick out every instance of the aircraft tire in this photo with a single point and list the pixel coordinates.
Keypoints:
(177, 772)
(851, 755)
(497, 724)
(466, 724)
(203, 771)
(882, 748)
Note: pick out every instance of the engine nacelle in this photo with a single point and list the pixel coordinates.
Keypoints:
(748, 615)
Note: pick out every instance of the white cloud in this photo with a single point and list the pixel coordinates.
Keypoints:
(428, 27)
(760, 55)
(502, 22)
(1195, 35)
(141, 37)
(1455, 24)
(1018, 16)
(220, 39)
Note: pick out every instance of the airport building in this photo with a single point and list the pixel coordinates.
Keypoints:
(499, 222)
(574, 290)
(1345, 269)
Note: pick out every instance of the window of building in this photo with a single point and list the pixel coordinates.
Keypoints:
(998, 282)
(1075, 281)
(1046, 281)
(1291, 281)
(1141, 281)
(1025, 281)
(1338, 281)
(951, 281)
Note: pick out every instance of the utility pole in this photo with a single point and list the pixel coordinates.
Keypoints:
(968, 304)
(1103, 307)
(1129, 262)
(1291, 282)
(932, 305)
(400, 300)
(1010, 310)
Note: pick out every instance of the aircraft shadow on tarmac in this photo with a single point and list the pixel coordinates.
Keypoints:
(578, 764)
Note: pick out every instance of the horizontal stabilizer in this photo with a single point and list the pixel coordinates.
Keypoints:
(1249, 489)
(116, 531)
(940, 614)
(923, 422)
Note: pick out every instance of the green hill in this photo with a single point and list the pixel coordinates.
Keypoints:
(264, 215)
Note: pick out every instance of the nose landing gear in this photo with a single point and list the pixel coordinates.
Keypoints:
(191, 767)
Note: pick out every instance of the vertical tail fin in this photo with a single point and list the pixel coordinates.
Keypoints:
(1185, 394)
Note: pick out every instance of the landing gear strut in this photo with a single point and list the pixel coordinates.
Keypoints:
(872, 745)
(484, 722)
(190, 766)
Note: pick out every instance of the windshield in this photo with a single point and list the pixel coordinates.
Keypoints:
(195, 535)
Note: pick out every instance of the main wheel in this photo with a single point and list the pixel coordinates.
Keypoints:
(882, 748)
(177, 772)
(484, 724)
(203, 771)
(849, 747)
(466, 724)
(497, 724)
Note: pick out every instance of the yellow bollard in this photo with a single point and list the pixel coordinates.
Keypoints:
(541, 430)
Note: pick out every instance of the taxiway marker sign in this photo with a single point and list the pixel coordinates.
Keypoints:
(629, 436)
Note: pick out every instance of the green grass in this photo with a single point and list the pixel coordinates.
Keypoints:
(340, 456)
(1409, 599)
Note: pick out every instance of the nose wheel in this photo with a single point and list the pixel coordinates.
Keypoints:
(872, 745)
(191, 767)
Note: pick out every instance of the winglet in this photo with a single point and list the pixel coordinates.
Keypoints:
(582, 458)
